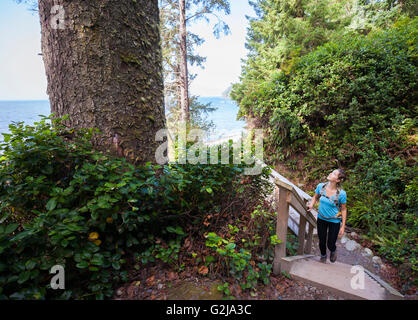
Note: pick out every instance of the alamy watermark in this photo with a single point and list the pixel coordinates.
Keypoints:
(357, 281)
(58, 281)
(57, 20)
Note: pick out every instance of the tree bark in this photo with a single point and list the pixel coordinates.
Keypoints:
(184, 84)
(103, 63)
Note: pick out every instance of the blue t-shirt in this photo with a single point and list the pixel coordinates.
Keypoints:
(327, 207)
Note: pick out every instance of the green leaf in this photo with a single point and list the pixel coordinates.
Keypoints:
(85, 255)
(52, 203)
(30, 264)
(21, 235)
(68, 191)
(7, 137)
(11, 228)
(97, 259)
(24, 276)
(230, 246)
(104, 204)
(82, 264)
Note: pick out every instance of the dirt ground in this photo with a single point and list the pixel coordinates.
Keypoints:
(158, 282)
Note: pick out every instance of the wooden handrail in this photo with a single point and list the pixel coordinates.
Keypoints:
(285, 195)
(297, 202)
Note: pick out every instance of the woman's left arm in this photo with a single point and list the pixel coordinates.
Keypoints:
(344, 216)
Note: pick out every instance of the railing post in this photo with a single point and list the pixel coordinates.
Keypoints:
(301, 235)
(308, 247)
(281, 199)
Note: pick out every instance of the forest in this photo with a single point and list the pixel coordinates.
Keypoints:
(337, 88)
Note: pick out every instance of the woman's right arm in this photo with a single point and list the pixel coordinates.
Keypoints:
(313, 201)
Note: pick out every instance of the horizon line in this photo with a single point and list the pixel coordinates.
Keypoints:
(31, 100)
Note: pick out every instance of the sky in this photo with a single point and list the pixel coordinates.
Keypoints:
(22, 73)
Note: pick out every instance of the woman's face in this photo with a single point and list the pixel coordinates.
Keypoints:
(333, 176)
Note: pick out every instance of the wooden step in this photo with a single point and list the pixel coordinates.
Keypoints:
(337, 277)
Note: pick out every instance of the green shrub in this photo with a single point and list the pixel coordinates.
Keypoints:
(238, 262)
(247, 253)
(352, 103)
(63, 203)
(341, 90)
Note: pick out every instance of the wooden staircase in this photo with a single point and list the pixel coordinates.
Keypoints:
(350, 282)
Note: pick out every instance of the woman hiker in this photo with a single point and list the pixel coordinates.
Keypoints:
(332, 208)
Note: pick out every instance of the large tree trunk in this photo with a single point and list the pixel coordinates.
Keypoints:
(184, 85)
(104, 69)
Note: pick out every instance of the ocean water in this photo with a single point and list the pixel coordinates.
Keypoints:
(224, 117)
(26, 111)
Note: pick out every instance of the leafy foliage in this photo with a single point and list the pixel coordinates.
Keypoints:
(63, 203)
(245, 252)
(285, 30)
(352, 103)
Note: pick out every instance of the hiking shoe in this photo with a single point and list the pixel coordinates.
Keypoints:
(323, 258)
(333, 256)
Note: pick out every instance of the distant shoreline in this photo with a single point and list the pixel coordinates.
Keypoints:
(28, 111)
(24, 100)
(46, 100)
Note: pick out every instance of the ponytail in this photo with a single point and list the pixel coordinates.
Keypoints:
(341, 176)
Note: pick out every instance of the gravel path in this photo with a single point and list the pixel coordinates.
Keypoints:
(353, 257)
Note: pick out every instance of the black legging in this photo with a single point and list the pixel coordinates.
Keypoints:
(332, 229)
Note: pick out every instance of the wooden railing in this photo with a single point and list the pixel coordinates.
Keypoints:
(285, 195)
